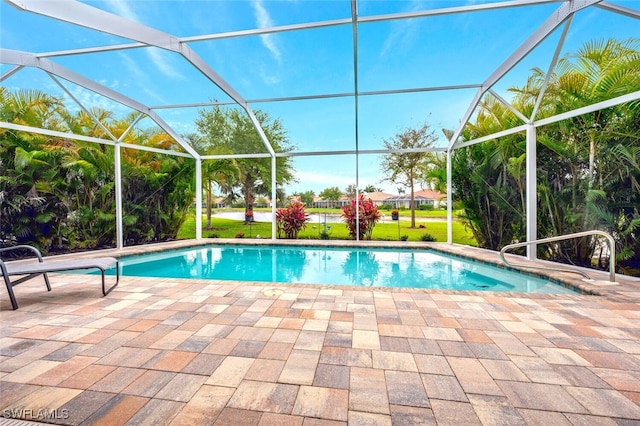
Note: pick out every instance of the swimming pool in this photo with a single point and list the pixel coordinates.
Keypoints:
(365, 267)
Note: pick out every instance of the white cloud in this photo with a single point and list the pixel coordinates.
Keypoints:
(264, 21)
(268, 77)
(160, 59)
(122, 8)
(89, 100)
(132, 67)
(402, 31)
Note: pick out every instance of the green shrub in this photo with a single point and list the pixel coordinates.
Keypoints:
(428, 237)
(291, 219)
(367, 215)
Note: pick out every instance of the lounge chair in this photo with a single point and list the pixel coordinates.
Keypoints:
(30, 270)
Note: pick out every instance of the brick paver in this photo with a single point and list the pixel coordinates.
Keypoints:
(208, 352)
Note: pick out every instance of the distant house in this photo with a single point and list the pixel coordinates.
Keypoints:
(219, 203)
(425, 196)
(320, 203)
(378, 198)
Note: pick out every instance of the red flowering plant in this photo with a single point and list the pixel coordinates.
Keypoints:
(367, 216)
(291, 219)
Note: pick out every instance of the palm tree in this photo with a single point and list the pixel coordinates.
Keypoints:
(30, 183)
(587, 166)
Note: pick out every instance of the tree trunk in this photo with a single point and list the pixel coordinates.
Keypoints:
(249, 198)
(209, 202)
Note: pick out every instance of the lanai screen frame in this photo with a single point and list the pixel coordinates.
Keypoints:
(144, 36)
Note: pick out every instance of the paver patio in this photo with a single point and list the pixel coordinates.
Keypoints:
(169, 351)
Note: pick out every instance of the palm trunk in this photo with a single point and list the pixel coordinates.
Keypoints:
(209, 204)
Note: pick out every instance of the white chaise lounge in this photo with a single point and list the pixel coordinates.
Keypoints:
(29, 270)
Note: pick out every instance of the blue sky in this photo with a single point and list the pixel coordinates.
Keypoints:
(453, 49)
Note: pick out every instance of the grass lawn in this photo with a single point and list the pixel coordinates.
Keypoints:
(387, 231)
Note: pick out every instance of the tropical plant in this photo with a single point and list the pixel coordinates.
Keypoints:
(588, 168)
(291, 219)
(59, 194)
(487, 181)
(361, 218)
(435, 171)
(31, 207)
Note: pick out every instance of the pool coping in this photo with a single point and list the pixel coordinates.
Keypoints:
(627, 288)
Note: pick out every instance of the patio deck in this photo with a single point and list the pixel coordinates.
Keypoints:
(169, 351)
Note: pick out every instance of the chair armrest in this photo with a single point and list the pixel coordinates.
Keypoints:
(34, 250)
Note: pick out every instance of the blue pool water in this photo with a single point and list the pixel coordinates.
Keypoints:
(339, 266)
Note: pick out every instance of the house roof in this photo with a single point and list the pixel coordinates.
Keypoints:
(430, 194)
(378, 196)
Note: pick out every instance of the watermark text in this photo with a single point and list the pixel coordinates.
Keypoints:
(35, 414)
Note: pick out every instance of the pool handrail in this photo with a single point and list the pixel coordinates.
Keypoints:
(612, 253)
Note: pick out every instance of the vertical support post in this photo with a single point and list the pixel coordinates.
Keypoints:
(198, 198)
(274, 196)
(449, 199)
(356, 97)
(118, 189)
(532, 192)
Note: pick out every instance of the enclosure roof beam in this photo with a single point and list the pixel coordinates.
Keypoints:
(567, 9)
(312, 25)
(73, 136)
(90, 17)
(15, 57)
(631, 13)
(453, 10)
(629, 97)
(325, 96)
(323, 153)
(539, 35)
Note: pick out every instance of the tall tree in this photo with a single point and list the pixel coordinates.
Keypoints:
(406, 167)
(307, 197)
(233, 130)
(223, 172)
(331, 194)
(350, 191)
(370, 188)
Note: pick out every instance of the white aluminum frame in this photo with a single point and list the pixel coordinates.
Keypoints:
(143, 36)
